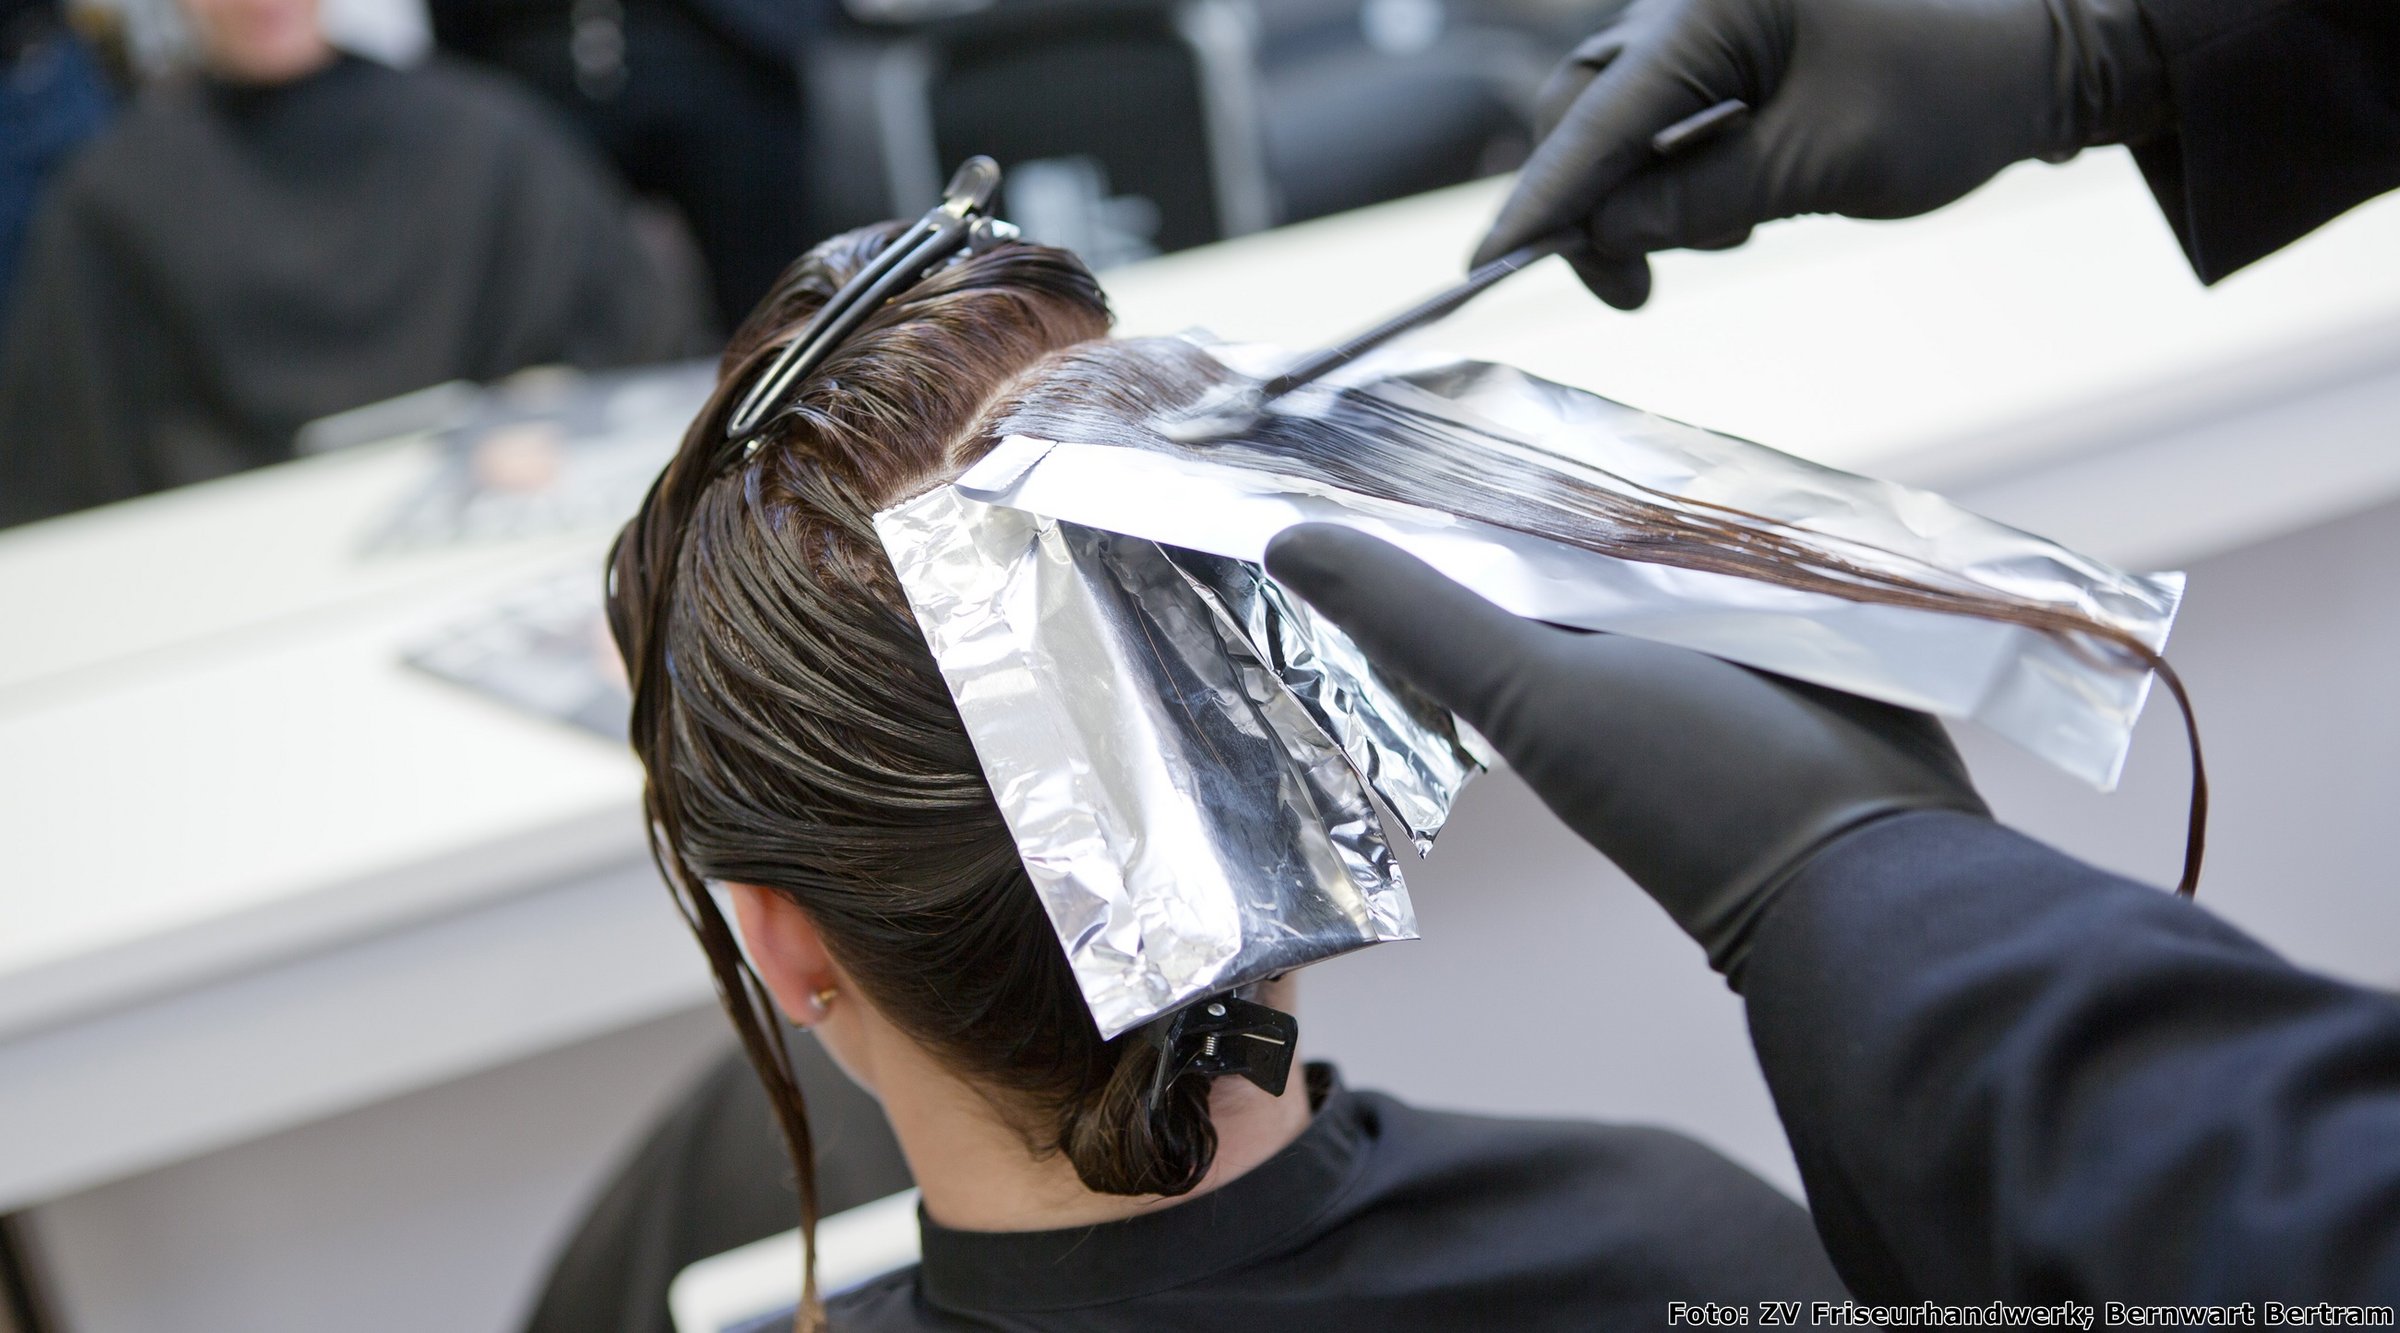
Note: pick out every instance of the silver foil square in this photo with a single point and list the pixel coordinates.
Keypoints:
(1190, 820)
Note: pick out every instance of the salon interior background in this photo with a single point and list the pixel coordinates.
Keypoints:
(333, 978)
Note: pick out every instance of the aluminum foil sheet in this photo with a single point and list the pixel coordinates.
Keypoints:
(2067, 703)
(1182, 754)
(1412, 752)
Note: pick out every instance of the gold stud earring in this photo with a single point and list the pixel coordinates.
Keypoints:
(824, 998)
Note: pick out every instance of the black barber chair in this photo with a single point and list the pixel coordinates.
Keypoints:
(1367, 100)
(1124, 127)
(1157, 124)
(1129, 127)
(709, 1178)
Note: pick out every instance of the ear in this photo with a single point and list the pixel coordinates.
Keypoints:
(786, 948)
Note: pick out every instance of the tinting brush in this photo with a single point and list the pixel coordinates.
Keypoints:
(1232, 409)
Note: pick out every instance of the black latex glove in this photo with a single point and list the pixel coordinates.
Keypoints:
(1706, 782)
(1870, 108)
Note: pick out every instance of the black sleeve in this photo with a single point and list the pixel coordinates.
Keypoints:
(2009, 1075)
(2287, 113)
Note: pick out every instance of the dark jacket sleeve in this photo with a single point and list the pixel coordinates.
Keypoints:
(2009, 1075)
(2287, 113)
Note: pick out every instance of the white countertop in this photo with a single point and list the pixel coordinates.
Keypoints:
(212, 761)
(203, 716)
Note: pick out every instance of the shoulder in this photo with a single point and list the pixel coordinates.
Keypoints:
(888, 1304)
(1439, 1139)
(444, 79)
(1647, 1199)
(153, 128)
(480, 126)
(490, 103)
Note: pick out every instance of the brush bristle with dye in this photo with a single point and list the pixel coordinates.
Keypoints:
(1222, 413)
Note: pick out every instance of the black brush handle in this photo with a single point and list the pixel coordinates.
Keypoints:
(1680, 137)
(1416, 316)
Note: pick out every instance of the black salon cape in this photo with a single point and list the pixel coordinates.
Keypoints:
(1382, 1218)
(2287, 112)
(228, 263)
(2009, 1075)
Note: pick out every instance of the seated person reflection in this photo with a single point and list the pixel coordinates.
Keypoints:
(803, 752)
(292, 232)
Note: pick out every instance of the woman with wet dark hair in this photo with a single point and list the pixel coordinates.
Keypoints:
(804, 754)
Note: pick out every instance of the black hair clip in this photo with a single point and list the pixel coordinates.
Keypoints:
(1225, 1035)
(960, 224)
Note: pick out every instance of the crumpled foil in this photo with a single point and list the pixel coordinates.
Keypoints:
(2066, 703)
(1412, 752)
(1182, 753)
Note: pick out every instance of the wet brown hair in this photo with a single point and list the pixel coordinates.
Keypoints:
(796, 733)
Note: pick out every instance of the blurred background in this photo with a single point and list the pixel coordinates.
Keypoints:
(335, 341)
(225, 219)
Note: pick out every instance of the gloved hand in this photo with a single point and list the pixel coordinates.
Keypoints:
(1706, 782)
(1870, 108)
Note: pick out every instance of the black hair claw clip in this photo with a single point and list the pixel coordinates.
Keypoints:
(958, 226)
(1225, 1035)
